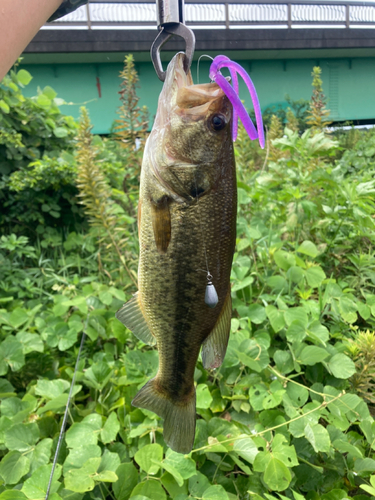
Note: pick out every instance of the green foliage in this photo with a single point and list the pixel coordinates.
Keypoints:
(289, 415)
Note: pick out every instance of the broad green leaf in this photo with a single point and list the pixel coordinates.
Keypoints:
(171, 485)
(31, 342)
(277, 476)
(4, 106)
(345, 447)
(311, 355)
(203, 395)
(35, 488)
(12, 495)
(24, 77)
(308, 248)
(82, 480)
(284, 260)
(51, 388)
(110, 461)
(341, 366)
(146, 457)
(364, 465)
(215, 492)
(18, 317)
(173, 472)
(13, 467)
(239, 285)
(127, 479)
(21, 437)
(296, 331)
(246, 449)
(150, 488)
(295, 274)
(296, 314)
(183, 464)
(198, 484)
(41, 454)
(55, 404)
(284, 361)
(78, 456)
(318, 437)
(80, 433)
(110, 429)
(257, 313)
(299, 395)
(11, 352)
(315, 276)
(107, 476)
(276, 318)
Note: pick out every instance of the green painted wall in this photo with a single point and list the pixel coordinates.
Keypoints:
(348, 83)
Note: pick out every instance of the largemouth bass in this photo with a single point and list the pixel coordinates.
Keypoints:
(187, 227)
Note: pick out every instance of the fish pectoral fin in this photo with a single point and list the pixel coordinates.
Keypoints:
(215, 345)
(132, 317)
(179, 416)
(161, 223)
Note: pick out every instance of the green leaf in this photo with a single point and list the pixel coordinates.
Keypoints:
(296, 314)
(296, 331)
(345, 447)
(35, 488)
(311, 355)
(183, 464)
(246, 449)
(11, 352)
(21, 437)
(18, 317)
(80, 433)
(172, 472)
(315, 276)
(24, 77)
(78, 456)
(4, 106)
(318, 437)
(284, 361)
(198, 484)
(171, 485)
(147, 455)
(41, 454)
(13, 467)
(341, 366)
(242, 284)
(277, 476)
(276, 318)
(308, 248)
(203, 395)
(31, 342)
(110, 429)
(364, 465)
(257, 313)
(127, 480)
(50, 389)
(12, 495)
(215, 492)
(284, 260)
(107, 476)
(60, 132)
(82, 480)
(151, 489)
(43, 101)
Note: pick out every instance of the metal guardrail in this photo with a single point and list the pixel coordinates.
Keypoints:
(104, 14)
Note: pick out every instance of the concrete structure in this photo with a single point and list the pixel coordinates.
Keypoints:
(82, 65)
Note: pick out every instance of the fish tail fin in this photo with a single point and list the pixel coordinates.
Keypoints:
(179, 416)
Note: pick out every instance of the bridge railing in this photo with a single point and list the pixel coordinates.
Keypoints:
(112, 14)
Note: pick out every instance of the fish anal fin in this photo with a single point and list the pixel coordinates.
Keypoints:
(179, 417)
(161, 223)
(215, 345)
(132, 317)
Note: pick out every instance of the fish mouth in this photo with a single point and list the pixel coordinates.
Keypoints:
(194, 99)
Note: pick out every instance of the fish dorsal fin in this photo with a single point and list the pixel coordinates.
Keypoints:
(215, 345)
(161, 223)
(132, 317)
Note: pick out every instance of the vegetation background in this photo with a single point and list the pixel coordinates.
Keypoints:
(289, 415)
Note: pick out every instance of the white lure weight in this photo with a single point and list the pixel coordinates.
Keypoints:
(211, 298)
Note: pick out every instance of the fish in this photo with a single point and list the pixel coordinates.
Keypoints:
(187, 231)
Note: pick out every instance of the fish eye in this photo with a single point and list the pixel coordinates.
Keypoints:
(218, 122)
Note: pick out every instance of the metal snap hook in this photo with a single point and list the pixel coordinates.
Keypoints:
(166, 32)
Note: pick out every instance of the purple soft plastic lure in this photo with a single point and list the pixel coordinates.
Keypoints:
(239, 110)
